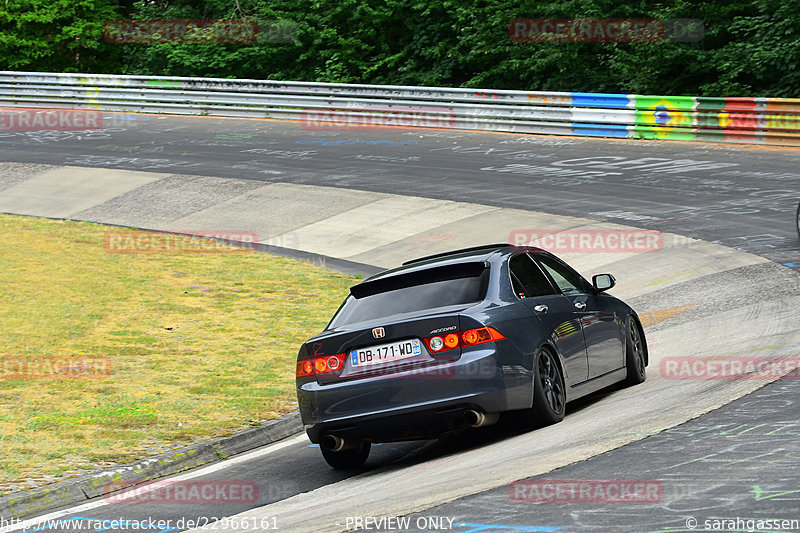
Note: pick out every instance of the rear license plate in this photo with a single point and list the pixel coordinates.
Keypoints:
(383, 353)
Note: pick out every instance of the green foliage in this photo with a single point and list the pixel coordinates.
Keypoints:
(56, 35)
(750, 47)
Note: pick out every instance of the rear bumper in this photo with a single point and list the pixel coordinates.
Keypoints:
(414, 404)
(407, 424)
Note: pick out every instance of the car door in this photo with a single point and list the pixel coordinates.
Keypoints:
(605, 342)
(556, 312)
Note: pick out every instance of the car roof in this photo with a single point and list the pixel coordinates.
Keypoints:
(463, 255)
(483, 250)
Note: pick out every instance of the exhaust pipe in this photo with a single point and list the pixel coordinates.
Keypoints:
(476, 419)
(335, 443)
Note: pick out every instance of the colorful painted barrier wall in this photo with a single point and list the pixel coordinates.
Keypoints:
(774, 121)
(771, 121)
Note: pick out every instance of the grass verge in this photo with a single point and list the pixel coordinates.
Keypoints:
(199, 345)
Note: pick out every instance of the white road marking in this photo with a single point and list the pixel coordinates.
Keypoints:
(202, 471)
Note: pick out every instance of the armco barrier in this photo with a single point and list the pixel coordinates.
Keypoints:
(773, 121)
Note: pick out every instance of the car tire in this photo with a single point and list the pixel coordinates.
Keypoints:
(635, 353)
(549, 392)
(347, 459)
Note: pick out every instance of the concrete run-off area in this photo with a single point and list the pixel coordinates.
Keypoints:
(701, 300)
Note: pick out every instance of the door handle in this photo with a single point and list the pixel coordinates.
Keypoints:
(580, 305)
(541, 308)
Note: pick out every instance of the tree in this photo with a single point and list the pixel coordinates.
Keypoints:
(750, 47)
(57, 35)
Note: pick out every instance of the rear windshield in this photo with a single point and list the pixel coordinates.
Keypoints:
(412, 293)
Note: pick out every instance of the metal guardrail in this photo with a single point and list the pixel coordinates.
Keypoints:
(773, 121)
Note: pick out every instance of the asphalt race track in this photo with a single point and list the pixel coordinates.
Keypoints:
(738, 461)
(742, 197)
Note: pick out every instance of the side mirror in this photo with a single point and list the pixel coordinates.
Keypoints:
(603, 282)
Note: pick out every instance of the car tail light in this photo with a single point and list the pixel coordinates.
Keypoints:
(305, 368)
(470, 336)
(480, 335)
(435, 343)
(451, 341)
(334, 363)
(319, 365)
(458, 339)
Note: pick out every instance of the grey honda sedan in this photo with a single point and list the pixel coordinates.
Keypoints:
(451, 341)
